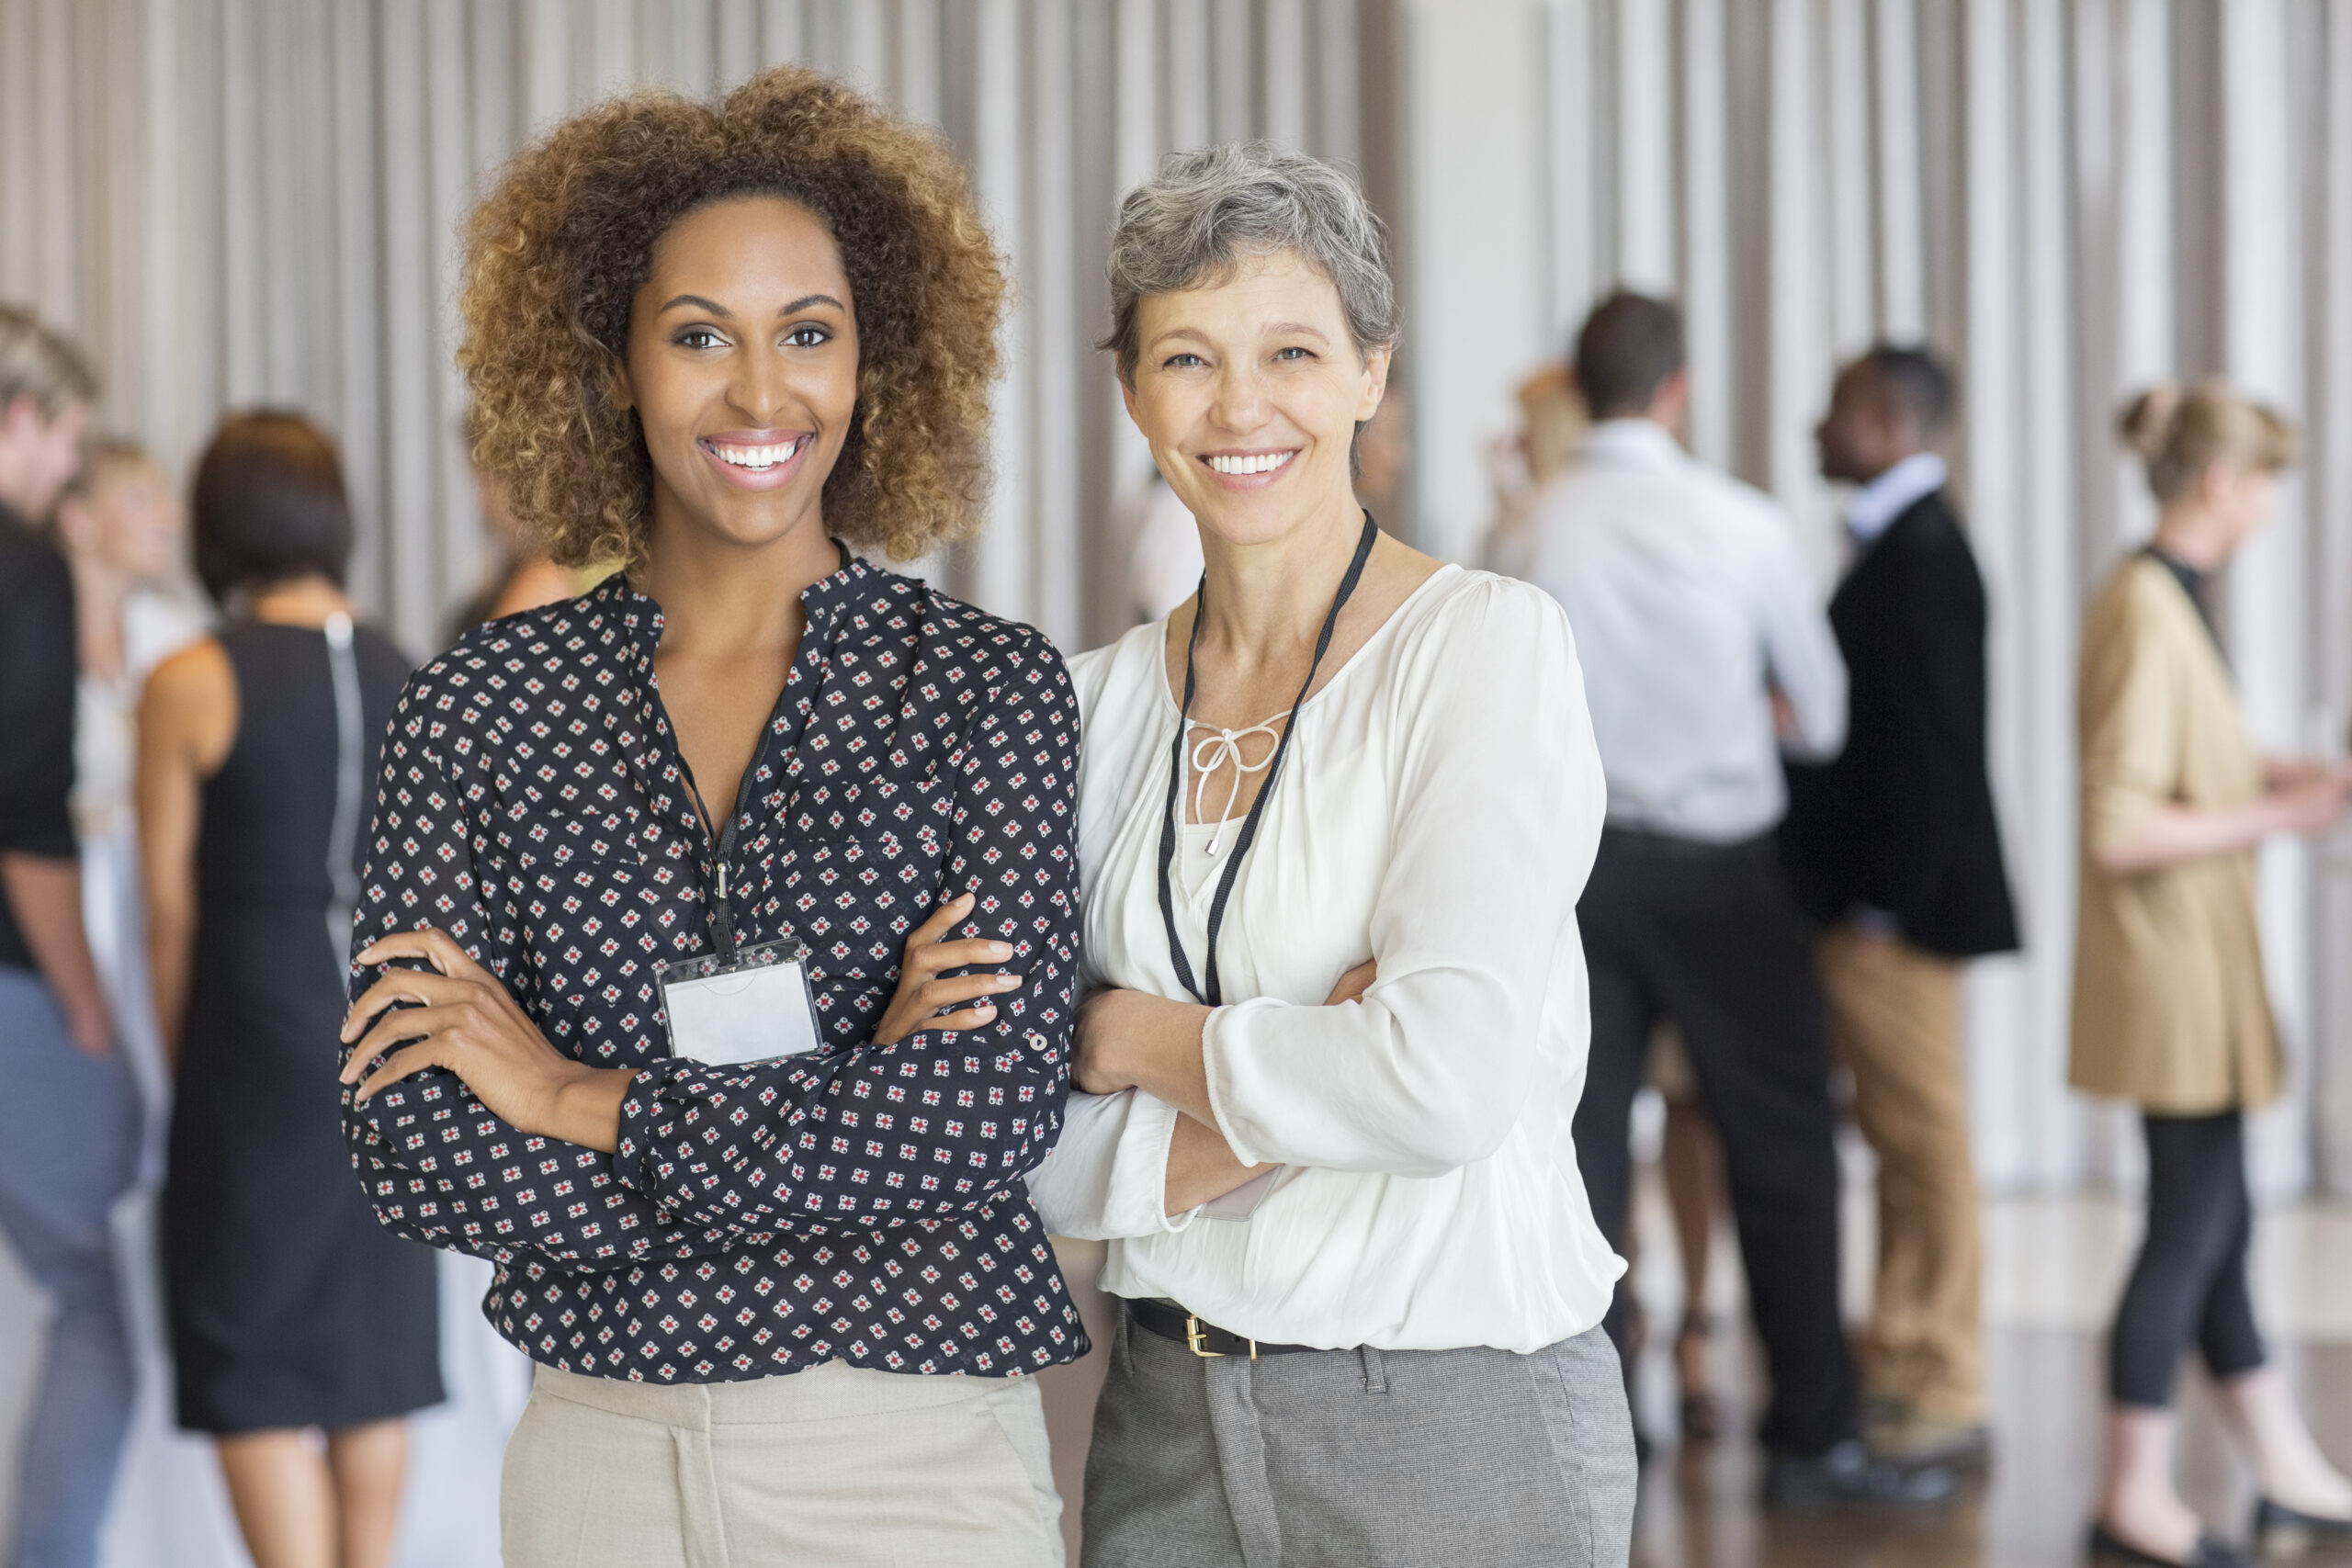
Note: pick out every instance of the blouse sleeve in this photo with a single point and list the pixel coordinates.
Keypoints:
(1498, 806)
(1107, 1176)
(437, 1165)
(2129, 715)
(878, 1135)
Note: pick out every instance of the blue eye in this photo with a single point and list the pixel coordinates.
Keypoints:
(1292, 352)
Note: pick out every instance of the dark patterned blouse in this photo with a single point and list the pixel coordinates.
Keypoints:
(860, 1202)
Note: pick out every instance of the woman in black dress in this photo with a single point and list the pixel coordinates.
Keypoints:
(292, 1310)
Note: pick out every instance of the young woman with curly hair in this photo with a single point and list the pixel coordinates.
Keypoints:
(782, 1303)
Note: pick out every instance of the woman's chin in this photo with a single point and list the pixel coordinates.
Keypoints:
(1251, 522)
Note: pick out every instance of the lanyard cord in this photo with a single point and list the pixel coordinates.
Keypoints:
(722, 915)
(1213, 995)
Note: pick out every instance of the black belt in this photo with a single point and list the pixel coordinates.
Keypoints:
(1204, 1340)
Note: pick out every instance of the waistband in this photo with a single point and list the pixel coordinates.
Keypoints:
(1641, 841)
(1205, 1340)
(828, 1392)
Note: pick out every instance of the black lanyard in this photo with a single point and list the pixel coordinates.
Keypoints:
(1214, 996)
(722, 918)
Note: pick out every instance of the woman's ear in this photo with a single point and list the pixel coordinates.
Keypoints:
(1375, 382)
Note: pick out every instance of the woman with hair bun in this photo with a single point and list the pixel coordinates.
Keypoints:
(631, 1018)
(2170, 1010)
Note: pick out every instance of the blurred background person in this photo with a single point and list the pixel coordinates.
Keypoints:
(521, 575)
(1552, 429)
(1691, 606)
(291, 1310)
(1551, 426)
(1165, 562)
(1691, 1163)
(1893, 849)
(2172, 1012)
(123, 531)
(69, 1110)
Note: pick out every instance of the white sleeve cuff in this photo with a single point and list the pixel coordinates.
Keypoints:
(1136, 1202)
(1220, 1040)
(1071, 1184)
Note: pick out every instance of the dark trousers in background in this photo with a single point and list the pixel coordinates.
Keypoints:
(2189, 1282)
(1707, 936)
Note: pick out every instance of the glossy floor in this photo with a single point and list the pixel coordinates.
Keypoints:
(1699, 1506)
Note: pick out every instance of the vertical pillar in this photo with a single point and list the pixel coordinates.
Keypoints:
(1474, 315)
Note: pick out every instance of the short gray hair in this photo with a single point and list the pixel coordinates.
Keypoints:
(1194, 223)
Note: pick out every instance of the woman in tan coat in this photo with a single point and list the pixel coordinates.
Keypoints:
(2170, 1010)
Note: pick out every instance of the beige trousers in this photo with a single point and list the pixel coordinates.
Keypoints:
(836, 1467)
(1894, 1022)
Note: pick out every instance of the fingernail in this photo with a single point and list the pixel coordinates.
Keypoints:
(999, 949)
(1006, 982)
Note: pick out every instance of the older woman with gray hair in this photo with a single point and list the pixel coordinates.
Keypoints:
(1334, 815)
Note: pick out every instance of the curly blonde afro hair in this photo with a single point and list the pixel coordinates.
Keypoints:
(557, 251)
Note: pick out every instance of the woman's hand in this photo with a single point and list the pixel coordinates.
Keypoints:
(2308, 801)
(1354, 983)
(1134, 1040)
(463, 1018)
(1202, 1168)
(922, 993)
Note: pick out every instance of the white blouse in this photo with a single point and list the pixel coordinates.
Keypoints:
(1438, 811)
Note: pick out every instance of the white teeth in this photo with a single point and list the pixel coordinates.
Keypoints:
(756, 458)
(1251, 463)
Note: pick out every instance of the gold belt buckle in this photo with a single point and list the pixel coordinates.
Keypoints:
(1193, 1342)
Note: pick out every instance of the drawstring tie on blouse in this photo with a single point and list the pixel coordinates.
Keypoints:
(1212, 750)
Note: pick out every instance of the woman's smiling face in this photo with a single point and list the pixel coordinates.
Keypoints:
(1249, 392)
(743, 368)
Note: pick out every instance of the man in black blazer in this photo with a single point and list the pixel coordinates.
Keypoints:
(1894, 849)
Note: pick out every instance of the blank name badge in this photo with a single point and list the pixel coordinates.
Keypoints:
(754, 1009)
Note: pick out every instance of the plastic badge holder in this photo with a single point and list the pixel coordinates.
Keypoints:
(755, 1009)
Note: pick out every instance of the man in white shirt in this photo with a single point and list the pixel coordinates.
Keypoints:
(1706, 654)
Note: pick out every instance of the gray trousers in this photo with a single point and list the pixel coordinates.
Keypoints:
(1361, 1459)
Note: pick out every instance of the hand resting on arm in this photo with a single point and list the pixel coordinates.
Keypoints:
(460, 1016)
(1131, 1039)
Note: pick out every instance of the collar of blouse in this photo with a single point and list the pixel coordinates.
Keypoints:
(643, 731)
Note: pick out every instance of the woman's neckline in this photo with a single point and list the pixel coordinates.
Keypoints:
(1167, 696)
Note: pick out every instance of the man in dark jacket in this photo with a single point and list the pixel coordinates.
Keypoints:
(1894, 849)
